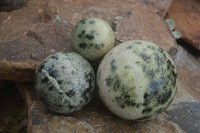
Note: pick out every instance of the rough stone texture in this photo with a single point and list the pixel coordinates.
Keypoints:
(46, 26)
(189, 118)
(13, 114)
(94, 118)
(161, 5)
(185, 13)
(188, 72)
(185, 109)
(9, 5)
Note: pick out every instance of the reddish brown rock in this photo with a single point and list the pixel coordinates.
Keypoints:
(161, 5)
(185, 108)
(188, 69)
(7, 5)
(185, 13)
(43, 27)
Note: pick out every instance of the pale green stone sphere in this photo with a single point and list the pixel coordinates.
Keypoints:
(137, 80)
(92, 38)
(65, 82)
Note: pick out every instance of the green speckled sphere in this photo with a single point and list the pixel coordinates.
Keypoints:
(64, 82)
(137, 80)
(92, 38)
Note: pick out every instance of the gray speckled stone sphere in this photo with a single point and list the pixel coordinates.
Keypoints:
(65, 82)
(92, 38)
(137, 80)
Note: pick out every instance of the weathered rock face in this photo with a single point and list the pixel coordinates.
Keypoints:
(9, 5)
(94, 118)
(188, 72)
(185, 13)
(46, 26)
(161, 5)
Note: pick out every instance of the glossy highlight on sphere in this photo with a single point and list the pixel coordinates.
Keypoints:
(137, 80)
(92, 38)
(65, 82)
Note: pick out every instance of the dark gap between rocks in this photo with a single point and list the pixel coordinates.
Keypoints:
(10, 5)
(13, 112)
(190, 49)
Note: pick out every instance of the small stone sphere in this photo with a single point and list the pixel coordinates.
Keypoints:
(92, 38)
(137, 80)
(64, 82)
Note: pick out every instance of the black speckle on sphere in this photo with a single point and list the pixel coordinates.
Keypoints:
(129, 47)
(60, 106)
(127, 67)
(83, 45)
(102, 45)
(169, 63)
(109, 81)
(83, 32)
(73, 72)
(55, 73)
(163, 98)
(97, 46)
(79, 35)
(70, 93)
(145, 57)
(83, 21)
(146, 110)
(54, 57)
(113, 66)
(59, 81)
(90, 37)
(160, 49)
(91, 44)
(45, 80)
(137, 62)
(50, 88)
(138, 42)
(151, 47)
(92, 22)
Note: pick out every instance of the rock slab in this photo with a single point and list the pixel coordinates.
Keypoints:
(185, 13)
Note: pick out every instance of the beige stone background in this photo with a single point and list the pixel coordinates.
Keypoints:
(37, 28)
